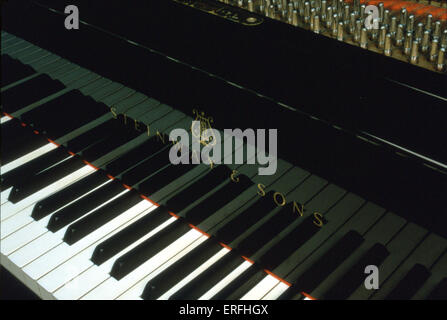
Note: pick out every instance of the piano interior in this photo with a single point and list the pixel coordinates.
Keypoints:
(350, 93)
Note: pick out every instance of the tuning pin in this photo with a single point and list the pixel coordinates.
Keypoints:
(425, 41)
(240, 3)
(334, 24)
(433, 50)
(313, 13)
(306, 11)
(381, 11)
(340, 7)
(387, 50)
(399, 35)
(403, 16)
(352, 23)
(419, 31)
(441, 56)
(386, 18)
(428, 22)
(410, 23)
(340, 31)
(358, 28)
(295, 18)
(444, 39)
(323, 10)
(414, 52)
(284, 3)
(329, 15)
(346, 15)
(290, 11)
(393, 27)
(357, 6)
(250, 5)
(407, 43)
(317, 24)
(362, 12)
(437, 30)
(364, 38)
(382, 35)
(302, 7)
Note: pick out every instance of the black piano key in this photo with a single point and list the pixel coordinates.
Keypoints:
(146, 168)
(440, 292)
(80, 207)
(13, 70)
(92, 136)
(101, 216)
(72, 110)
(43, 179)
(72, 192)
(134, 156)
(113, 245)
(163, 178)
(355, 276)
(268, 230)
(180, 269)
(243, 221)
(32, 167)
(29, 92)
(26, 142)
(206, 280)
(149, 248)
(291, 242)
(410, 283)
(310, 279)
(202, 186)
(217, 200)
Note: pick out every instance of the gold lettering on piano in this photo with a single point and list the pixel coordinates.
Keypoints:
(160, 137)
(137, 123)
(318, 219)
(299, 208)
(113, 111)
(281, 196)
(261, 190)
(234, 177)
(201, 125)
(125, 118)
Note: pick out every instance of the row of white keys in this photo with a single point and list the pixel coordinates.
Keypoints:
(5, 195)
(113, 288)
(9, 209)
(23, 218)
(75, 259)
(90, 275)
(30, 256)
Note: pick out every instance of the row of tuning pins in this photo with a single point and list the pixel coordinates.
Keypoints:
(388, 30)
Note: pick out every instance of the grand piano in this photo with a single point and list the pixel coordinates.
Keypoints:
(92, 207)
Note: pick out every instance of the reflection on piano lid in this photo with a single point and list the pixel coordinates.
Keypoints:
(91, 207)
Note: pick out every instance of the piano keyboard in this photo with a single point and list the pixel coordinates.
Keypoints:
(91, 207)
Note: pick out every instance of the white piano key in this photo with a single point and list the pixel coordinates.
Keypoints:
(23, 218)
(192, 275)
(28, 157)
(95, 275)
(261, 289)
(23, 237)
(63, 251)
(48, 240)
(226, 281)
(65, 272)
(5, 195)
(112, 288)
(9, 209)
(5, 119)
(16, 222)
(276, 292)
